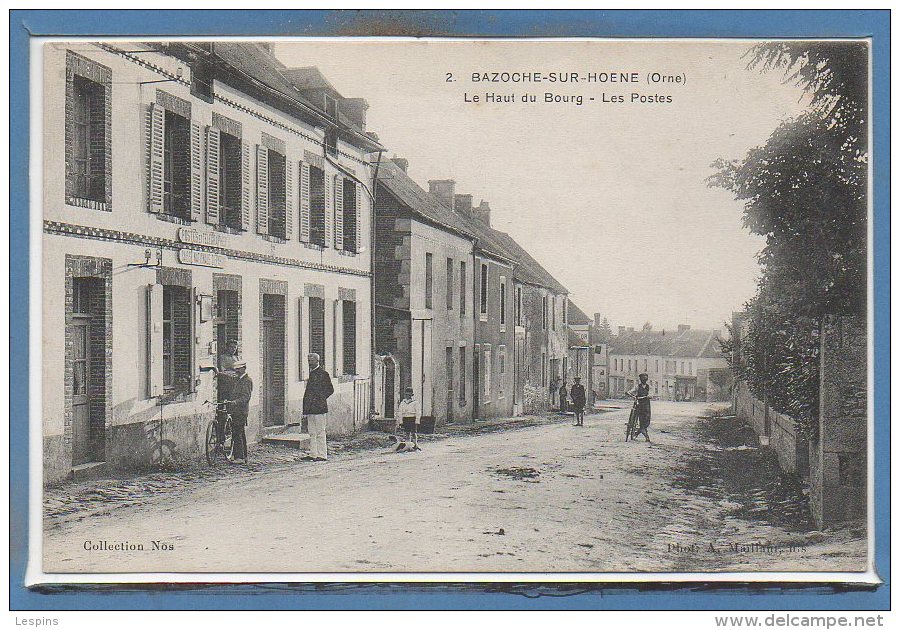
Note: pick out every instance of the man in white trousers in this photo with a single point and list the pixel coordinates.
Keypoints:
(315, 407)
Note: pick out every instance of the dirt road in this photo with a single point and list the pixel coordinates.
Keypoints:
(545, 498)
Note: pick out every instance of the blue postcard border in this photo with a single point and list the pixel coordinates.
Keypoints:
(537, 23)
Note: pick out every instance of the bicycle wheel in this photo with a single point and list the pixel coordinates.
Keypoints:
(631, 427)
(228, 444)
(212, 442)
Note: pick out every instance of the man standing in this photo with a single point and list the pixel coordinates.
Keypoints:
(225, 377)
(238, 407)
(578, 396)
(563, 395)
(315, 407)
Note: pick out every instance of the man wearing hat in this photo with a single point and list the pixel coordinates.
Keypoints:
(238, 407)
(315, 407)
(578, 397)
(641, 394)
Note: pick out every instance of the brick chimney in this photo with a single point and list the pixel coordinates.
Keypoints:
(598, 321)
(443, 189)
(463, 204)
(402, 163)
(483, 213)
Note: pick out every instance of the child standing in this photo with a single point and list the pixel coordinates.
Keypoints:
(409, 415)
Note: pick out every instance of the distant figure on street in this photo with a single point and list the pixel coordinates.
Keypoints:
(641, 394)
(579, 398)
(238, 406)
(554, 389)
(563, 395)
(409, 415)
(315, 407)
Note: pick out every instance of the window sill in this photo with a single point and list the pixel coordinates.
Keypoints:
(274, 239)
(346, 378)
(347, 252)
(171, 218)
(227, 229)
(314, 246)
(170, 397)
(88, 203)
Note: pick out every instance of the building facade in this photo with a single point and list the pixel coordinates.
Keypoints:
(424, 317)
(682, 364)
(196, 207)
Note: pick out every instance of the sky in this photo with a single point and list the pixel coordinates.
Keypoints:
(609, 197)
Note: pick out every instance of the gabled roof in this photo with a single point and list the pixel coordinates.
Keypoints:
(418, 200)
(577, 316)
(309, 78)
(668, 343)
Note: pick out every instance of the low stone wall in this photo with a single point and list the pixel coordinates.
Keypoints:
(775, 429)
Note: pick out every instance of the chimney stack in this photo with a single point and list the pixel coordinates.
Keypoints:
(402, 163)
(483, 213)
(355, 109)
(463, 204)
(598, 321)
(443, 189)
(621, 330)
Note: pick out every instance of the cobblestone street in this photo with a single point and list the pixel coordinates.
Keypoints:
(533, 495)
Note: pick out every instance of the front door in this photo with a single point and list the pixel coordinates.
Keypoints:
(450, 380)
(81, 391)
(476, 391)
(273, 360)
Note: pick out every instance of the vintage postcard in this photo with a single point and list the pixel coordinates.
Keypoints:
(396, 309)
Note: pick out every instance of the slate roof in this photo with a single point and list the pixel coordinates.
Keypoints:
(667, 343)
(577, 316)
(529, 269)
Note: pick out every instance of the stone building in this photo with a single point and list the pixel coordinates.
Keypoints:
(424, 319)
(193, 194)
(682, 364)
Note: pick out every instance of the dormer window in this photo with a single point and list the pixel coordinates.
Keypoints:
(331, 106)
(331, 141)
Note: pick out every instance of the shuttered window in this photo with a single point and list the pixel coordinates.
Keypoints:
(484, 290)
(231, 180)
(177, 166)
(429, 280)
(351, 216)
(462, 375)
(501, 361)
(463, 291)
(487, 373)
(88, 127)
(502, 301)
(277, 195)
(317, 206)
(349, 336)
(317, 327)
(89, 140)
(176, 342)
(450, 284)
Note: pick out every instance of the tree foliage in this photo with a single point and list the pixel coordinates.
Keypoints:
(805, 191)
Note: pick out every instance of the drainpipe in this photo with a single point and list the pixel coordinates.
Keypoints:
(372, 292)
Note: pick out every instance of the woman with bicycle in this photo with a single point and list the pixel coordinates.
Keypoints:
(641, 395)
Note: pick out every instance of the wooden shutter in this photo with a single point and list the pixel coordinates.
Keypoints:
(262, 189)
(359, 240)
(245, 186)
(329, 219)
(213, 141)
(196, 172)
(154, 340)
(304, 202)
(338, 212)
(301, 357)
(288, 199)
(157, 159)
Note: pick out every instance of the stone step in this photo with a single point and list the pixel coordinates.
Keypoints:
(289, 439)
(91, 470)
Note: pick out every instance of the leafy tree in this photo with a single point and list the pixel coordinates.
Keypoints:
(604, 332)
(805, 191)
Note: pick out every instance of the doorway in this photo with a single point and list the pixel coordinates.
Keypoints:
(88, 353)
(450, 380)
(272, 393)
